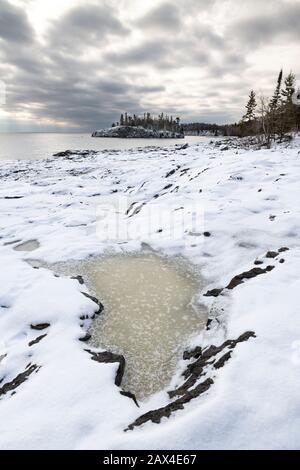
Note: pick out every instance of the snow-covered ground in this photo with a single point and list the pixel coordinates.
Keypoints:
(250, 202)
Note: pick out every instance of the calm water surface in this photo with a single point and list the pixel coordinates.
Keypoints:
(36, 146)
(150, 312)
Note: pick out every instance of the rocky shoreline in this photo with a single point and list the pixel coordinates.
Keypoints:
(248, 252)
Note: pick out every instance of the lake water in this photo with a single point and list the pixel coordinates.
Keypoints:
(150, 312)
(36, 146)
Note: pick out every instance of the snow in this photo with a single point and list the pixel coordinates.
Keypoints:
(71, 401)
(136, 132)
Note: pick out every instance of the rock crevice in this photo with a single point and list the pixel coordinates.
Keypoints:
(193, 372)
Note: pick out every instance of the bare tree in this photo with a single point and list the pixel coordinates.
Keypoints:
(266, 120)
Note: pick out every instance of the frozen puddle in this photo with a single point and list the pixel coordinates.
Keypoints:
(29, 245)
(149, 313)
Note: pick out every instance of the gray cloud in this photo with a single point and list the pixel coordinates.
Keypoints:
(14, 24)
(165, 17)
(172, 53)
(96, 61)
(151, 51)
(85, 25)
(267, 26)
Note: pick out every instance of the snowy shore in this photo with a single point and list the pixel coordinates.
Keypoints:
(52, 395)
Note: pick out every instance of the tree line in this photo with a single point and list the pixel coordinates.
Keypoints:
(274, 118)
(197, 128)
(149, 121)
(166, 122)
(270, 119)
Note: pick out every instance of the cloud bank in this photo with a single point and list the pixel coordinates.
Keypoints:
(91, 60)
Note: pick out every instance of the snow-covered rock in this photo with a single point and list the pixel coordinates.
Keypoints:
(250, 201)
(137, 133)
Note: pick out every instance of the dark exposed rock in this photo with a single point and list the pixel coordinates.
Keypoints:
(94, 299)
(170, 173)
(271, 254)
(40, 326)
(284, 248)
(236, 178)
(207, 356)
(18, 380)
(109, 357)
(244, 337)
(136, 210)
(183, 147)
(130, 395)
(84, 317)
(281, 260)
(85, 338)
(207, 234)
(63, 154)
(12, 242)
(68, 153)
(213, 292)
(239, 279)
(193, 372)
(13, 197)
(78, 278)
(156, 415)
(36, 340)
(221, 362)
(193, 353)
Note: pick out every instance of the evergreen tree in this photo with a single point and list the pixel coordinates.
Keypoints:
(288, 111)
(289, 88)
(275, 107)
(160, 122)
(277, 93)
(250, 107)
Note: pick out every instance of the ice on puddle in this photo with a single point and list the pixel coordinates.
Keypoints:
(149, 314)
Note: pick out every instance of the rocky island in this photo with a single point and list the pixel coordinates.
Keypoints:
(144, 127)
(129, 132)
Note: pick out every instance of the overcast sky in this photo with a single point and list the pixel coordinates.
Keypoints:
(74, 65)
